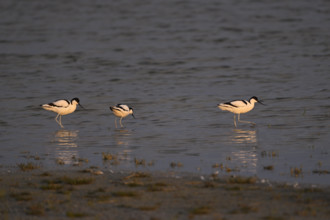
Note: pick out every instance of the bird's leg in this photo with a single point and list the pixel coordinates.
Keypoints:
(61, 121)
(246, 121)
(235, 120)
(120, 122)
(116, 122)
(56, 118)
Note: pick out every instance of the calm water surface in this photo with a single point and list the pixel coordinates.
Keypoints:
(173, 62)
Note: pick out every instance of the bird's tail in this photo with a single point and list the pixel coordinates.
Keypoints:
(46, 106)
(222, 106)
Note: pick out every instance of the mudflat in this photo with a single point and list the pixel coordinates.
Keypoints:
(93, 194)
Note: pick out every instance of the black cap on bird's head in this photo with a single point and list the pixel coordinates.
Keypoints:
(131, 111)
(256, 99)
(77, 100)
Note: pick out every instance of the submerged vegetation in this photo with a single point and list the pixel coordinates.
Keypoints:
(28, 166)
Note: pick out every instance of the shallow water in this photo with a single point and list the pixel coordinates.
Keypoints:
(173, 62)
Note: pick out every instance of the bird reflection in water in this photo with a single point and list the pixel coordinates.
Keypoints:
(66, 146)
(244, 136)
(244, 155)
(122, 138)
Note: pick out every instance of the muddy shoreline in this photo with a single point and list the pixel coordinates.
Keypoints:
(94, 194)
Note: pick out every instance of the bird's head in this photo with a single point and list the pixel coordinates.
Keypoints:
(254, 99)
(75, 101)
(131, 112)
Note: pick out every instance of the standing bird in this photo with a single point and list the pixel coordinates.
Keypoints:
(62, 107)
(121, 111)
(239, 107)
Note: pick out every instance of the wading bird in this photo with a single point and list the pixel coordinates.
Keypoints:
(121, 111)
(239, 107)
(62, 107)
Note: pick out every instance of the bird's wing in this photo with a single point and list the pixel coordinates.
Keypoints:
(235, 103)
(60, 103)
(115, 108)
(123, 107)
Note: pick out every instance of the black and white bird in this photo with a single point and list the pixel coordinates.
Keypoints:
(239, 107)
(62, 107)
(121, 111)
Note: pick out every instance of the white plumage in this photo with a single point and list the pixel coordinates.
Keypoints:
(62, 107)
(121, 111)
(239, 107)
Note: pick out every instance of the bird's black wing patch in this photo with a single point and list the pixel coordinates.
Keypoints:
(53, 103)
(231, 104)
(120, 106)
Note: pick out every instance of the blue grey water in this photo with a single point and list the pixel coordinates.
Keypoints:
(173, 62)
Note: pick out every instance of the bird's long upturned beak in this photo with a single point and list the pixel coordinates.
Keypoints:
(133, 116)
(261, 102)
(81, 106)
